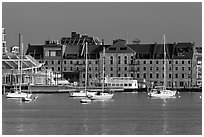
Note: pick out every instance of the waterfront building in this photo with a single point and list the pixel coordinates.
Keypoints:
(198, 58)
(143, 62)
(4, 47)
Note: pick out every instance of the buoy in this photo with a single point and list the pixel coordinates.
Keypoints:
(179, 96)
(200, 96)
(178, 92)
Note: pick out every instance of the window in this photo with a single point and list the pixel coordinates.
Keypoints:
(157, 68)
(65, 62)
(138, 75)
(96, 68)
(96, 75)
(157, 62)
(96, 62)
(182, 62)
(118, 75)
(112, 48)
(52, 53)
(169, 62)
(176, 68)
(58, 62)
(189, 68)
(144, 62)
(53, 62)
(150, 68)
(176, 75)
(58, 68)
(111, 68)
(89, 68)
(125, 75)
(125, 68)
(182, 68)
(150, 62)
(46, 53)
(71, 68)
(189, 62)
(111, 75)
(125, 59)
(181, 84)
(53, 69)
(118, 59)
(71, 62)
(169, 75)
(144, 68)
(157, 75)
(169, 68)
(123, 48)
(111, 61)
(65, 69)
(176, 62)
(150, 75)
(183, 75)
(144, 75)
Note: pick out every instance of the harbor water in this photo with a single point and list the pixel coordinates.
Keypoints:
(125, 114)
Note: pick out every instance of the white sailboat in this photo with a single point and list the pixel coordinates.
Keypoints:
(84, 92)
(161, 91)
(86, 99)
(17, 93)
(102, 95)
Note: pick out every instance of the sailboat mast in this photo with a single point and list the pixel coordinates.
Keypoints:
(164, 63)
(20, 62)
(103, 67)
(86, 75)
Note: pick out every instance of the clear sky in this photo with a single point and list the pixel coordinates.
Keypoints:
(37, 22)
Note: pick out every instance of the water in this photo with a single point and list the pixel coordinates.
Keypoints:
(126, 114)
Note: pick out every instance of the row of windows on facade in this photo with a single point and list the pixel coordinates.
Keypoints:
(138, 75)
(112, 62)
(124, 69)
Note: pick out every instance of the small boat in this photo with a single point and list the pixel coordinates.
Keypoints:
(86, 99)
(161, 91)
(102, 95)
(80, 93)
(17, 94)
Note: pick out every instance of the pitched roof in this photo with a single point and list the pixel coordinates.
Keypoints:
(119, 46)
(142, 48)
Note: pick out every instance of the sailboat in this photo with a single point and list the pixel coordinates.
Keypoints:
(86, 99)
(17, 92)
(161, 91)
(102, 95)
(84, 92)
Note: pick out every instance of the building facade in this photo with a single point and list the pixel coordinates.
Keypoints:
(4, 48)
(143, 62)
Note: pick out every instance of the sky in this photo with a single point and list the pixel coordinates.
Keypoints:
(148, 21)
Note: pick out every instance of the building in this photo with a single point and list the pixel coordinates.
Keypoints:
(4, 48)
(143, 62)
(198, 58)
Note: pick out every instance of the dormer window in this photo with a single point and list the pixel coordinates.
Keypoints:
(112, 48)
(123, 48)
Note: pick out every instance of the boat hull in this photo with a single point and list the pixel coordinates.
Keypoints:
(163, 94)
(18, 95)
(102, 96)
(81, 94)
